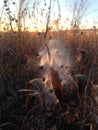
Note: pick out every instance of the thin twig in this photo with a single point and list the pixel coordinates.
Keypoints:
(8, 123)
(47, 28)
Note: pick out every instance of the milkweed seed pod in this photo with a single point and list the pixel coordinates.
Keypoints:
(38, 88)
(58, 62)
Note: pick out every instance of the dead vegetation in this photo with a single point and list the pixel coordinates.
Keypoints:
(55, 89)
(31, 106)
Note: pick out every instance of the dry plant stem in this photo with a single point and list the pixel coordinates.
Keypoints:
(43, 96)
(48, 52)
(87, 86)
(1, 17)
(43, 99)
(48, 20)
(95, 42)
(10, 19)
(44, 110)
(78, 12)
(28, 114)
(20, 15)
(6, 124)
(91, 127)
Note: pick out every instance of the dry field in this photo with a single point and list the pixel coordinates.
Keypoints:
(23, 107)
